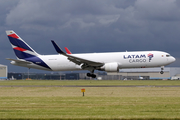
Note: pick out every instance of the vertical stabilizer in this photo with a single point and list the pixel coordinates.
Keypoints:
(20, 47)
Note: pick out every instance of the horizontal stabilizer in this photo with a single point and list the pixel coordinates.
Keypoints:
(19, 61)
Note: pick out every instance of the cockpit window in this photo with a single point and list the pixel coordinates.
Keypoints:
(168, 55)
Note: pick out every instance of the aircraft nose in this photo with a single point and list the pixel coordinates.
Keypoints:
(172, 59)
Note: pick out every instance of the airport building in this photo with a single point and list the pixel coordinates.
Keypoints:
(3, 71)
(43, 76)
(148, 73)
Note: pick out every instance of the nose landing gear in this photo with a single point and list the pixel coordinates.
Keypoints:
(162, 72)
(162, 68)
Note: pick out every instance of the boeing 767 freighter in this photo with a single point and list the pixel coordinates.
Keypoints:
(109, 62)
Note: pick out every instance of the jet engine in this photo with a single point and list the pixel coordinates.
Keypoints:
(111, 67)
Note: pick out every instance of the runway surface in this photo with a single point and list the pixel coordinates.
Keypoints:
(89, 85)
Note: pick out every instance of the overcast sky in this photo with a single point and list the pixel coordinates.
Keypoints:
(87, 26)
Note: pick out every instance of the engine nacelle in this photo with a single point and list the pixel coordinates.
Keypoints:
(111, 67)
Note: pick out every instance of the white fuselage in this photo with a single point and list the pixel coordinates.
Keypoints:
(124, 59)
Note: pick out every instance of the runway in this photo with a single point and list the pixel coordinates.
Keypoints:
(89, 85)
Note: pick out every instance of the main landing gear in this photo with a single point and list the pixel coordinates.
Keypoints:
(162, 68)
(91, 75)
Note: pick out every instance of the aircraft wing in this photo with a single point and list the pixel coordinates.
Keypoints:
(19, 61)
(80, 61)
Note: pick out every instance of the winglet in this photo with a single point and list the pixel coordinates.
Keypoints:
(58, 49)
(67, 50)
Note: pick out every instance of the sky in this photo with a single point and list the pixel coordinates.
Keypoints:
(88, 26)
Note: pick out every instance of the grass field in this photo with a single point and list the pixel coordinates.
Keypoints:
(91, 82)
(98, 103)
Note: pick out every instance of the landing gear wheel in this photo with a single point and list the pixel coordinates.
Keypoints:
(161, 72)
(91, 75)
(162, 68)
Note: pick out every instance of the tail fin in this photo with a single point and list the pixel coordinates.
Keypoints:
(20, 47)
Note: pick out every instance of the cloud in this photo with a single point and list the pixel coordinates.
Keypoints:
(158, 10)
(129, 22)
(37, 14)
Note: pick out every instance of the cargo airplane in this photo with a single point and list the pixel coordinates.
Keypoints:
(109, 62)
